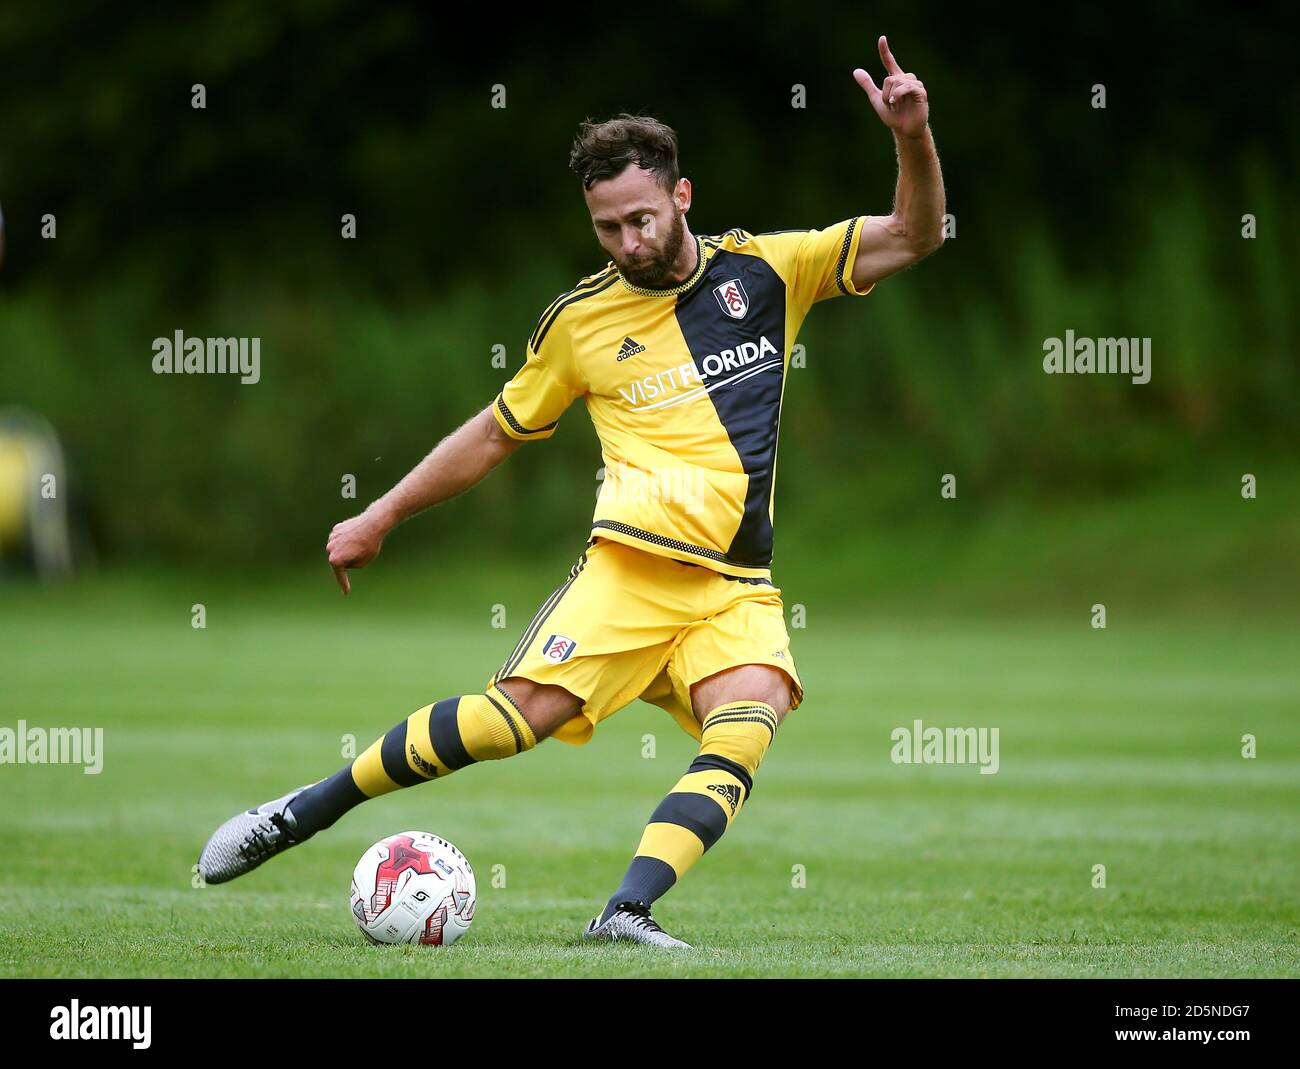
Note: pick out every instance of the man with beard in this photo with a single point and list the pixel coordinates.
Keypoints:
(680, 348)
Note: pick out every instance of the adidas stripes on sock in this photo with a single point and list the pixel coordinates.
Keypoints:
(703, 803)
(431, 743)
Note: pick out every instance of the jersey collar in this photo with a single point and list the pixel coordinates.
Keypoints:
(681, 287)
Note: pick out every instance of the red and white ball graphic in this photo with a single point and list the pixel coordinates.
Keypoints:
(413, 888)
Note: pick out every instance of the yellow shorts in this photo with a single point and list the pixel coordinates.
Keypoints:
(629, 624)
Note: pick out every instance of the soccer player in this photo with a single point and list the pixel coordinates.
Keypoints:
(679, 348)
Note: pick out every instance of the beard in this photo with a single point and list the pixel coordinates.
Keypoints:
(656, 272)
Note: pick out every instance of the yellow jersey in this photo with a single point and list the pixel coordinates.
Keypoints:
(684, 386)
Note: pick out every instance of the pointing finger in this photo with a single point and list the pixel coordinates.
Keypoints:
(891, 64)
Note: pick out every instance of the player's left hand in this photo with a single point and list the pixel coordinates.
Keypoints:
(901, 101)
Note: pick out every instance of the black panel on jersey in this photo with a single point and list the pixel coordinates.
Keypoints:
(750, 408)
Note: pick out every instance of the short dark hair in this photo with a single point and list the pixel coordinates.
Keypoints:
(606, 149)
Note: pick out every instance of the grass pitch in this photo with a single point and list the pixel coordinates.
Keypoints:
(1119, 748)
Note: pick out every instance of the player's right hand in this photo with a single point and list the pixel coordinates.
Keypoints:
(354, 543)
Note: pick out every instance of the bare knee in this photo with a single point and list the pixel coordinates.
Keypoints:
(544, 705)
(745, 682)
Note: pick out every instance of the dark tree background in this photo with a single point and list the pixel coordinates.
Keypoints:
(1122, 221)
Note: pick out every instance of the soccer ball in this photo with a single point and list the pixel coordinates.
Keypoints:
(413, 888)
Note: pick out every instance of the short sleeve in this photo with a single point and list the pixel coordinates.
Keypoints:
(529, 406)
(824, 262)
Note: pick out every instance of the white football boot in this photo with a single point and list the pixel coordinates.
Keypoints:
(631, 921)
(247, 839)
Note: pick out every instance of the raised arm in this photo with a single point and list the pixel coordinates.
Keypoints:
(457, 462)
(890, 243)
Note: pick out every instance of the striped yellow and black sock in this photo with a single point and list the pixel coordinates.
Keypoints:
(703, 803)
(431, 743)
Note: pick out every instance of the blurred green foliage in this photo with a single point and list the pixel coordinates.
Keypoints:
(226, 222)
